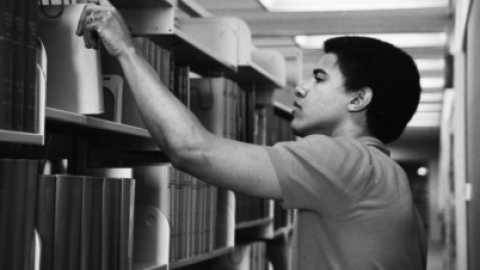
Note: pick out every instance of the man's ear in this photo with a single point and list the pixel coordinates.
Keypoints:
(360, 99)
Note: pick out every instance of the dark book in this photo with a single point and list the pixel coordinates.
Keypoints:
(6, 191)
(106, 224)
(126, 224)
(165, 64)
(171, 75)
(31, 168)
(31, 116)
(6, 65)
(68, 206)
(18, 76)
(97, 221)
(45, 217)
(115, 213)
(157, 51)
(17, 218)
(178, 83)
(86, 224)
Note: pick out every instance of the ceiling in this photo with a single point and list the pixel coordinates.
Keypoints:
(276, 30)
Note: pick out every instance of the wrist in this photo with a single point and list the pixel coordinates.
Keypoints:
(127, 53)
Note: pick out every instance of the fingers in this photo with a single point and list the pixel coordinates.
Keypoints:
(85, 17)
(91, 36)
(105, 3)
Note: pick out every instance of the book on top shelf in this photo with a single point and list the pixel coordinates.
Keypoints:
(31, 97)
(18, 78)
(6, 65)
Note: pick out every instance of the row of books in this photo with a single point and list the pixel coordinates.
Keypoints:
(85, 222)
(18, 55)
(18, 193)
(194, 205)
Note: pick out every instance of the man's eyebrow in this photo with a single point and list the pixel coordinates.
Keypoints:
(319, 70)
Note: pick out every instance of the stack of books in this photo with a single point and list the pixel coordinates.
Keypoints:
(18, 54)
(18, 193)
(85, 222)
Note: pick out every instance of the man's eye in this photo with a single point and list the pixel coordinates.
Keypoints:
(319, 79)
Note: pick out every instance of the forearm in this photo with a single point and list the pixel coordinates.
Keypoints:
(173, 127)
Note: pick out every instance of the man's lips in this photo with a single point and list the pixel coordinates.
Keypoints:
(296, 105)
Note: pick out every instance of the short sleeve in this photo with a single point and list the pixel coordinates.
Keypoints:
(321, 173)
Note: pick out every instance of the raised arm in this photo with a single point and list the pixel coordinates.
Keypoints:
(190, 147)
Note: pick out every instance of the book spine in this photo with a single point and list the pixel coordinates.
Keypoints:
(17, 203)
(68, 202)
(86, 224)
(165, 67)
(31, 114)
(106, 224)
(18, 76)
(6, 191)
(6, 66)
(115, 222)
(126, 224)
(97, 214)
(30, 210)
(45, 218)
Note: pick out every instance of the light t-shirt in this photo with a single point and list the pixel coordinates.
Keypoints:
(355, 208)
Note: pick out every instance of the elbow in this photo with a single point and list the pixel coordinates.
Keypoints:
(178, 160)
(186, 155)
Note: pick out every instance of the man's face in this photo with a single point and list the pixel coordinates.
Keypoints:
(323, 110)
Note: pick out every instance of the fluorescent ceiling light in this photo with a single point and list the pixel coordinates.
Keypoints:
(425, 119)
(431, 97)
(430, 64)
(429, 107)
(401, 40)
(348, 5)
(423, 123)
(432, 82)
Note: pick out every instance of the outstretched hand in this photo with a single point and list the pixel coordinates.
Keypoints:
(106, 23)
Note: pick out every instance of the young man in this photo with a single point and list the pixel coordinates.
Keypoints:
(355, 209)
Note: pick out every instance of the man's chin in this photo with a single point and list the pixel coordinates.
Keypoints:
(297, 131)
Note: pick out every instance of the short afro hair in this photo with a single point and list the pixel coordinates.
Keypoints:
(389, 72)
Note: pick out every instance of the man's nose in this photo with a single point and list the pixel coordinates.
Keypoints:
(301, 91)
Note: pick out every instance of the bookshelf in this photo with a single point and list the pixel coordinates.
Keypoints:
(78, 123)
(201, 59)
(89, 144)
(253, 223)
(202, 258)
(253, 73)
